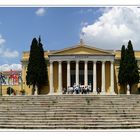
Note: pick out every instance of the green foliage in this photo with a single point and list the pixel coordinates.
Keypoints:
(10, 90)
(139, 89)
(37, 67)
(122, 68)
(43, 77)
(132, 74)
(128, 70)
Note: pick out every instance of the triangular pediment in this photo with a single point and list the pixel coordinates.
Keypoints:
(82, 49)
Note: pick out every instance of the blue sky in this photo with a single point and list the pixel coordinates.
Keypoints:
(60, 27)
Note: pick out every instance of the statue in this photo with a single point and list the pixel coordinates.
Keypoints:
(128, 89)
(36, 91)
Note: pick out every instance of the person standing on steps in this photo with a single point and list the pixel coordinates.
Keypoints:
(98, 90)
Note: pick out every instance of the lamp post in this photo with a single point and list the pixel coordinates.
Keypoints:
(0, 83)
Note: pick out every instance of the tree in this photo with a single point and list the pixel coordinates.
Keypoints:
(43, 72)
(36, 70)
(10, 90)
(122, 68)
(132, 74)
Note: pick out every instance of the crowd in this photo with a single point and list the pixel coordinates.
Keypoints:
(78, 89)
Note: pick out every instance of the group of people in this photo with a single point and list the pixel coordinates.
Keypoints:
(78, 89)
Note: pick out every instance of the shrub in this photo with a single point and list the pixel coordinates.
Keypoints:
(10, 90)
(139, 89)
(23, 92)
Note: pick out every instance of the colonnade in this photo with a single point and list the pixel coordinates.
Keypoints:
(85, 76)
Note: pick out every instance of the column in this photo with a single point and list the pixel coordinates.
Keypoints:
(68, 74)
(51, 77)
(112, 78)
(23, 76)
(86, 73)
(94, 78)
(60, 77)
(77, 72)
(103, 77)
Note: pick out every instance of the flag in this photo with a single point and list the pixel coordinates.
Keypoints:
(2, 79)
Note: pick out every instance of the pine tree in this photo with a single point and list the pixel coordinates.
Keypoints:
(132, 74)
(36, 70)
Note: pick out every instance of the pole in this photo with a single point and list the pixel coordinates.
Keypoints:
(1, 84)
(10, 84)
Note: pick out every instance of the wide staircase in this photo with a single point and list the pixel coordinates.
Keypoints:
(70, 112)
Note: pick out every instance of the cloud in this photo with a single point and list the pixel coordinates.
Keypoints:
(84, 24)
(7, 67)
(2, 40)
(85, 11)
(10, 54)
(115, 27)
(40, 12)
(6, 52)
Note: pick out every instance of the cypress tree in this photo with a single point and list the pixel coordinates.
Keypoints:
(132, 74)
(36, 74)
(43, 72)
(122, 68)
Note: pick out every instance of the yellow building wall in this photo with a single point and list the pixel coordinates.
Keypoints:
(118, 54)
(44, 90)
(17, 89)
(28, 91)
(118, 89)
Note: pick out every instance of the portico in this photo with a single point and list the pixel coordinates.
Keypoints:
(82, 65)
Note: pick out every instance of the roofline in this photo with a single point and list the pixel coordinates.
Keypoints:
(83, 45)
(81, 54)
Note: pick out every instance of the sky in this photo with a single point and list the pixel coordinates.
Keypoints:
(60, 27)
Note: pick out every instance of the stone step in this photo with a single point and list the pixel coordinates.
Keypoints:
(68, 122)
(69, 117)
(71, 101)
(52, 114)
(74, 97)
(59, 127)
(61, 111)
(99, 110)
(65, 101)
(68, 98)
(69, 126)
(71, 97)
(70, 112)
(71, 104)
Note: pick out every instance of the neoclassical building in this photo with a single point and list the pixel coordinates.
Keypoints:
(81, 65)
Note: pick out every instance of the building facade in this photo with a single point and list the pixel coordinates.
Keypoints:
(13, 79)
(80, 65)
